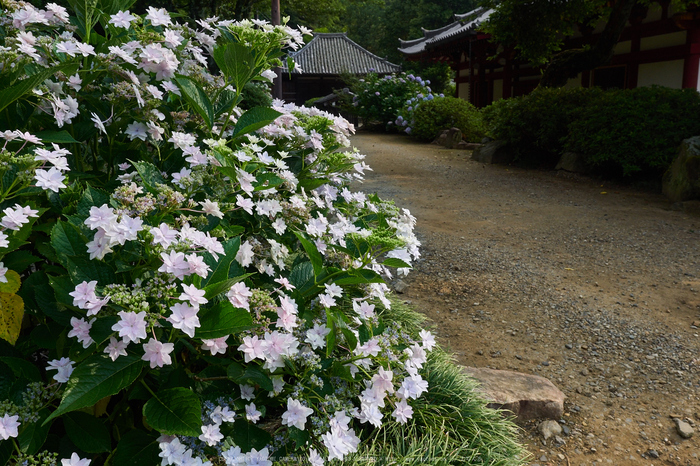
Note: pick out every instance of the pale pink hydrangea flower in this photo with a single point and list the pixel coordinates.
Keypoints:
(131, 326)
(64, 368)
(296, 414)
(8, 426)
(215, 346)
(157, 353)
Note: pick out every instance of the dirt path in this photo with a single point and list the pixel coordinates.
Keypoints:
(595, 287)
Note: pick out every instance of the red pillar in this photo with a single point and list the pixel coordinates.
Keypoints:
(692, 61)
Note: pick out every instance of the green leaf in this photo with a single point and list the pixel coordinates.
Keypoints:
(312, 251)
(299, 436)
(91, 198)
(33, 436)
(220, 267)
(197, 98)
(394, 262)
(236, 63)
(62, 286)
(176, 411)
(59, 137)
(150, 175)
(267, 181)
(253, 120)
(95, 378)
(357, 277)
(67, 240)
(22, 368)
(221, 320)
(248, 436)
(20, 260)
(227, 100)
(216, 289)
(87, 432)
(12, 93)
(302, 276)
(7, 449)
(137, 448)
(84, 270)
(252, 375)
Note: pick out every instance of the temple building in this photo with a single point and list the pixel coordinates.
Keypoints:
(658, 46)
(321, 63)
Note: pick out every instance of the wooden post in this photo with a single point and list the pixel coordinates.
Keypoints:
(276, 21)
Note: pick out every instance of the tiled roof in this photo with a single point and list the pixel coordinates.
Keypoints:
(335, 53)
(465, 24)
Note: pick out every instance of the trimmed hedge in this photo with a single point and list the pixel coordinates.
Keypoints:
(619, 133)
(635, 132)
(433, 116)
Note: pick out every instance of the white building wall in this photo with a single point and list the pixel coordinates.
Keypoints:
(665, 73)
(463, 91)
(497, 89)
(663, 40)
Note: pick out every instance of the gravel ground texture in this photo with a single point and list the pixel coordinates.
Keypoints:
(592, 285)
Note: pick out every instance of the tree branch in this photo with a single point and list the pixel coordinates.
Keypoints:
(569, 63)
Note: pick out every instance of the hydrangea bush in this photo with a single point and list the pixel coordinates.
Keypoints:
(183, 282)
(389, 99)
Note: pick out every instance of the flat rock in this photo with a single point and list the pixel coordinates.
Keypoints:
(493, 152)
(684, 429)
(549, 428)
(526, 396)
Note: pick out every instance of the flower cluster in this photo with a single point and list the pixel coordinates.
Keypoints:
(195, 249)
(389, 99)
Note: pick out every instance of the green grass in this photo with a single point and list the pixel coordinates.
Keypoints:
(451, 423)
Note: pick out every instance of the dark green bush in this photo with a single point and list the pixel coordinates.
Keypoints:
(433, 116)
(619, 133)
(256, 94)
(635, 131)
(535, 125)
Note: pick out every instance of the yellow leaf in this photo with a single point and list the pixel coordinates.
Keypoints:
(11, 313)
(13, 283)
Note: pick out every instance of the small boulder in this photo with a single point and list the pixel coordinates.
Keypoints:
(526, 396)
(464, 145)
(681, 182)
(493, 152)
(549, 428)
(572, 162)
(684, 429)
(400, 286)
(441, 140)
(454, 137)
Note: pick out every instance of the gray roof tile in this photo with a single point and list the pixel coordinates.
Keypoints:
(335, 53)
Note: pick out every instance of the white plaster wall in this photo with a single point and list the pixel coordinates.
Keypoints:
(573, 82)
(664, 40)
(497, 89)
(463, 91)
(623, 47)
(665, 73)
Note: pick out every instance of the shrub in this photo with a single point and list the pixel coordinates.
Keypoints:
(256, 94)
(634, 132)
(619, 133)
(183, 282)
(431, 117)
(535, 125)
(378, 100)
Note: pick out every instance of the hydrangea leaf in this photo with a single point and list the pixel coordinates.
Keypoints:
(220, 267)
(33, 436)
(196, 97)
(175, 411)
(221, 320)
(312, 252)
(11, 314)
(87, 432)
(254, 119)
(137, 448)
(13, 283)
(95, 378)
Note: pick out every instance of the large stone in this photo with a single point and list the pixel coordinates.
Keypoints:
(684, 429)
(526, 396)
(572, 162)
(449, 138)
(493, 152)
(681, 182)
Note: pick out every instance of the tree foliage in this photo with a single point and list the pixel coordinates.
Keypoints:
(537, 30)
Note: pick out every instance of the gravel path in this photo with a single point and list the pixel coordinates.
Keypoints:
(592, 285)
